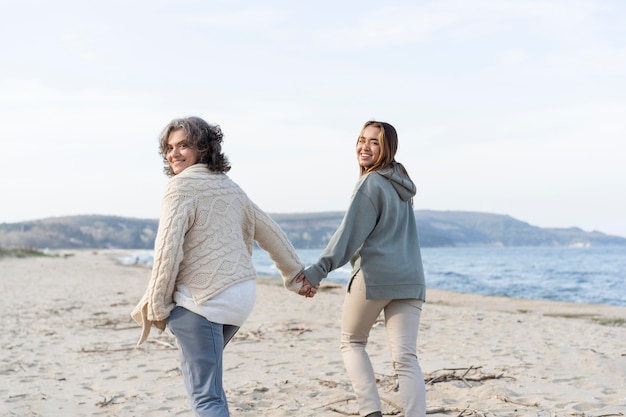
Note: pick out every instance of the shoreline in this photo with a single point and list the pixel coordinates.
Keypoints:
(69, 349)
(592, 289)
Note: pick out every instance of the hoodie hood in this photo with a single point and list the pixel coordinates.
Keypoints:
(401, 182)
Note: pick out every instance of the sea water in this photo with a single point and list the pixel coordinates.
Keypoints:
(586, 275)
(595, 275)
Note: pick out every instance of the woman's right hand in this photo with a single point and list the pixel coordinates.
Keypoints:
(307, 290)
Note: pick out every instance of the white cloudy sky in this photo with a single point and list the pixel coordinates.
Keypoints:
(502, 106)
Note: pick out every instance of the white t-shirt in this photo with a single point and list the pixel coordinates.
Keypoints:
(231, 306)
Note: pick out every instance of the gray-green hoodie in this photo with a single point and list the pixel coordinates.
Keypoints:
(378, 235)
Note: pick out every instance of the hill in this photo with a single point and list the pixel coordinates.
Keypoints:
(451, 228)
(80, 232)
(305, 230)
(461, 228)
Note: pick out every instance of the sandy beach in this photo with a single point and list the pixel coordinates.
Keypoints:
(69, 349)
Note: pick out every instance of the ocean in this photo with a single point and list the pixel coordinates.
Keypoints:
(595, 275)
(583, 275)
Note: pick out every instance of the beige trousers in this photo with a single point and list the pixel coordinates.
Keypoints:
(402, 318)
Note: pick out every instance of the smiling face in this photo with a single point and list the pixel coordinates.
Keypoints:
(179, 154)
(368, 147)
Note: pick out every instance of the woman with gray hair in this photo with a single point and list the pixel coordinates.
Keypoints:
(203, 281)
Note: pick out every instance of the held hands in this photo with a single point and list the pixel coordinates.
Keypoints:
(307, 290)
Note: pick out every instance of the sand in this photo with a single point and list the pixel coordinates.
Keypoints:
(68, 349)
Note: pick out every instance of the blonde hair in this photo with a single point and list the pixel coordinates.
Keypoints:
(388, 141)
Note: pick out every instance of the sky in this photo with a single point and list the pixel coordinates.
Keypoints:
(513, 107)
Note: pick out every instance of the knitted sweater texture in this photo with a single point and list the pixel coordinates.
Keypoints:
(205, 239)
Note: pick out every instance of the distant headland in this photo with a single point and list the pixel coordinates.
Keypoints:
(305, 230)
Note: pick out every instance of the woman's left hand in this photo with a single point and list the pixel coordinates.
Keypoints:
(307, 290)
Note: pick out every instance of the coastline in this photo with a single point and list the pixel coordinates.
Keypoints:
(69, 349)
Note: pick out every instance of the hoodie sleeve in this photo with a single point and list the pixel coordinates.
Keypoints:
(357, 224)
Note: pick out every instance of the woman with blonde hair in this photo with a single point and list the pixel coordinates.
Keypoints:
(378, 235)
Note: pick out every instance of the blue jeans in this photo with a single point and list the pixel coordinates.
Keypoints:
(201, 345)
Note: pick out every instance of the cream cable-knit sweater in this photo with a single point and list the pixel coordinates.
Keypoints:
(206, 233)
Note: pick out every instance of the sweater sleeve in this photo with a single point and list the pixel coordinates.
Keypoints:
(176, 217)
(273, 240)
(357, 224)
(157, 302)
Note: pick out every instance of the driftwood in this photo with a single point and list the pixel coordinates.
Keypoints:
(391, 403)
(467, 411)
(252, 335)
(298, 329)
(106, 403)
(166, 346)
(328, 405)
(453, 375)
(345, 413)
(508, 400)
(618, 414)
(466, 375)
(397, 409)
(105, 350)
